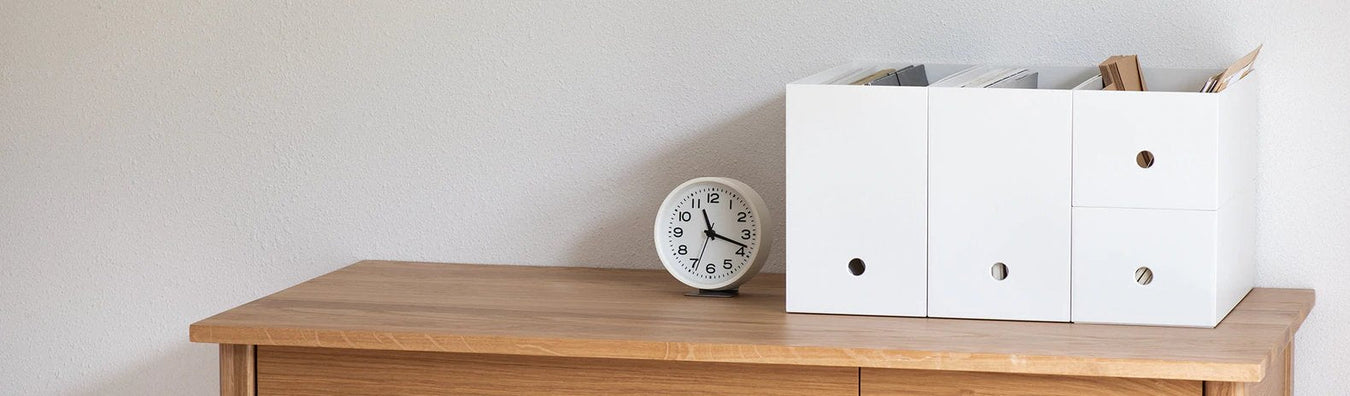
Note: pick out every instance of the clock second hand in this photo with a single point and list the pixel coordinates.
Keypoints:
(700, 251)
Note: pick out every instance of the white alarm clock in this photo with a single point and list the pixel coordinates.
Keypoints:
(710, 234)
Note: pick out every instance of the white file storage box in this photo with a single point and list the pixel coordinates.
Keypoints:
(999, 185)
(1164, 215)
(1164, 150)
(1162, 266)
(857, 163)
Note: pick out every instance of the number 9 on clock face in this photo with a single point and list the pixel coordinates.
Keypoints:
(709, 233)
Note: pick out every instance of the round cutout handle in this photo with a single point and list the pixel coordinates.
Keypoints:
(856, 266)
(999, 271)
(1143, 276)
(1144, 159)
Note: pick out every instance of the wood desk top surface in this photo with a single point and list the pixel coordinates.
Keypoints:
(643, 314)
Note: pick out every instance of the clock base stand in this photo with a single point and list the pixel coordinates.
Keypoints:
(714, 293)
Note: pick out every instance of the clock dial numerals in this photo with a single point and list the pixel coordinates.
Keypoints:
(712, 230)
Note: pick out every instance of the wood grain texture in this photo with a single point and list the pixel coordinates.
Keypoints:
(1279, 379)
(942, 383)
(327, 371)
(642, 314)
(237, 370)
(1278, 375)
(1289, 369)
(1214, 388)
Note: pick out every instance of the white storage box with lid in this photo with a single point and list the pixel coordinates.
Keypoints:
(1018, 203)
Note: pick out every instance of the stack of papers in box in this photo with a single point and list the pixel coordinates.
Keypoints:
(908, 76)
(990, 77)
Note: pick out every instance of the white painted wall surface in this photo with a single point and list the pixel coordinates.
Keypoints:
(164, 161)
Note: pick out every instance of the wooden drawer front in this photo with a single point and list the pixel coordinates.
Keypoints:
(928, 382)
(323, 371)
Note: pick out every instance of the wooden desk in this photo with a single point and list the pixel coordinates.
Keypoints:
(379, 327)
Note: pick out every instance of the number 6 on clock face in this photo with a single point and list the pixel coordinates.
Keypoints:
(709, 233)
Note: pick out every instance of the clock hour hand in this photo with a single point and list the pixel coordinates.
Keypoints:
(716, 235)
(706, 220)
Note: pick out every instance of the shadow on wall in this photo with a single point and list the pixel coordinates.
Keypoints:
(181, 364)
(748, 148)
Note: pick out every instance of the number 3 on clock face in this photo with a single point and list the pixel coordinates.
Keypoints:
(709, 233)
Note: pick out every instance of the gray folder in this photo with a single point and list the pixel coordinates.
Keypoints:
(913, 76)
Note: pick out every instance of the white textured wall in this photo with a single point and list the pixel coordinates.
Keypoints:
(161, 162)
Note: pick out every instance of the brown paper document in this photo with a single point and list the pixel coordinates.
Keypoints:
(1121, 73)
(1237, 70)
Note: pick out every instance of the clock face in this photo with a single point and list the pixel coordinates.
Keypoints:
(709, 234)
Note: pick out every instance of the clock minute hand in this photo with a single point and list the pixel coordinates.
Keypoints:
(716, 235)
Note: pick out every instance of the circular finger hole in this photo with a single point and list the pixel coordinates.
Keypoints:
(856, 266)
(1144, 159)
(999, 271)
(1143, 275)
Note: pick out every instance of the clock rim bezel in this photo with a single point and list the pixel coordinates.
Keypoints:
(756, 204)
